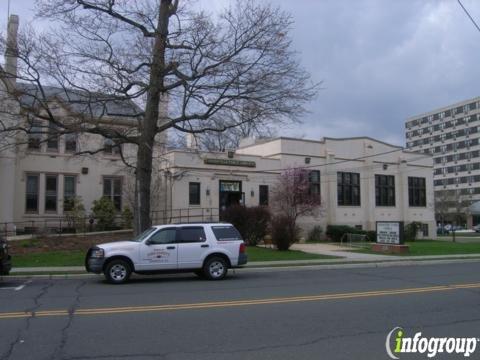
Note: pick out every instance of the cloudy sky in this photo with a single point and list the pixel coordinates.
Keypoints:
(380, 61)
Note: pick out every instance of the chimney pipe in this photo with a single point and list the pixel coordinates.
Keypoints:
(12, 50)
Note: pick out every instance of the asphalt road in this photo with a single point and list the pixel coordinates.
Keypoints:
(253, 314)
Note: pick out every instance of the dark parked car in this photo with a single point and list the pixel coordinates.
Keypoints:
(5, 258)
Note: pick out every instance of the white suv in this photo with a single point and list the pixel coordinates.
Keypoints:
(208, 250)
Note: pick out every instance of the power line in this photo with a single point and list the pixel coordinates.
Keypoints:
(468, 14)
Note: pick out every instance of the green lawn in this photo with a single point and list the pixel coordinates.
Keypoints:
(435, 247)
(77, 257)
(52, 258)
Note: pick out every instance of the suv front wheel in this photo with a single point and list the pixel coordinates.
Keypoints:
(215, 268)
(117, 271)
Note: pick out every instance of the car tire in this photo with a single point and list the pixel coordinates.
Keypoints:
(215, 268)
(117, 271)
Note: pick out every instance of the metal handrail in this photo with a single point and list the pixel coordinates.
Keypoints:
(86, 224)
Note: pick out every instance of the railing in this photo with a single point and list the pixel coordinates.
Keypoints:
(69, 225)
(59, 225)
(188, 215)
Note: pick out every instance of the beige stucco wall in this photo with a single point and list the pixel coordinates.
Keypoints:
(329, 156)
(8, 111)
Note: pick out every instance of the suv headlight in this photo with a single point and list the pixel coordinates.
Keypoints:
(97, 253)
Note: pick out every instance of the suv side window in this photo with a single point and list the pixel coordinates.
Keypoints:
(163, 236)
(226, 233)
(191, 234)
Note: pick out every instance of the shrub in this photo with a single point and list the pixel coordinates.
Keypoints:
(371, 235)
(411, 230)
(104, 212)
(315, 234)
(76, 215)
(127, 218)
(335, 232)
(251, 222)
(284, 232)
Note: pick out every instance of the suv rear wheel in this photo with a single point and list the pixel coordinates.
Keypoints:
(117, 271)
(215, 268)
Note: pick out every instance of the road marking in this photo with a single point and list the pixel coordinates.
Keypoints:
(16, 288)
(221, 304)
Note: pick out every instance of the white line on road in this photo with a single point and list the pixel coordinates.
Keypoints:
(16, 288)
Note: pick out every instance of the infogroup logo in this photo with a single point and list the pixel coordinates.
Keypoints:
(429, 346)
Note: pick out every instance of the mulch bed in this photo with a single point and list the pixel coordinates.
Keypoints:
(63, 243)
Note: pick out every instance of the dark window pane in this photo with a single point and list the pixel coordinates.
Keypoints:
(112, 189)
(68, 192)
(348, 189)
(70, 142)
(107, 187)
(117, 187)
(164, 236)
(417, 192)
(263, 197)
(52, 141)
(226, 233)
(50, 193)
(32, 193)
(35, 135)
(384, 190)
(194, 193)
(192, 234)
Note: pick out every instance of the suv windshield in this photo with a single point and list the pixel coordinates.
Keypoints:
(143, 235)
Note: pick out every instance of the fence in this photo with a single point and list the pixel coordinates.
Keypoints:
(355, 240)
(69, 225)
(188, 215)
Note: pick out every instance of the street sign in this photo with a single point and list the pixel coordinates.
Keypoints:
(390, 232)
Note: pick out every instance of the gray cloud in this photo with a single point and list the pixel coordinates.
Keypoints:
(381, 61)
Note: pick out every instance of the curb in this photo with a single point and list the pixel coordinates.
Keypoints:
(265, 267)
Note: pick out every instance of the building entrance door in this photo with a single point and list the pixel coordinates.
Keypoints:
(230, 194)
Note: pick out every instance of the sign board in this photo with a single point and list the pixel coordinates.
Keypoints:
(230, 162)
(390, 232)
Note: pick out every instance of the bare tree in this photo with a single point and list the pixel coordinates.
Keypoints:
(217, 71)
(452, 207)
(293, 195)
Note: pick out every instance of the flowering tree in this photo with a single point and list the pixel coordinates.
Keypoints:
(296, 194)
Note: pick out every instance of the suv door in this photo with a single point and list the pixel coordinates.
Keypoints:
(192, 246)
(160, 251)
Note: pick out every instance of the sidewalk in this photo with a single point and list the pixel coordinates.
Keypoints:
(347, 260)
(345, 252)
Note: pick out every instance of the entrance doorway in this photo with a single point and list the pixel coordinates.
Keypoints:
(230, 194)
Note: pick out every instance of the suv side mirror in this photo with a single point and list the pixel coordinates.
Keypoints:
(148, 242)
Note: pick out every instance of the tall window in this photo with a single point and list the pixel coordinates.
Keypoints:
(385, 190)
(35, 135)
(348, 189)
(71, 143)
(51, 193)
(263, 197)
(314, 183)
(68, 192)
(112, 189)
(31, 204)
(194, 193)
(110, 147)
(417, 192)
(52, 140)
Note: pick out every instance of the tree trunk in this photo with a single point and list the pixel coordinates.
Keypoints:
(149, 127)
